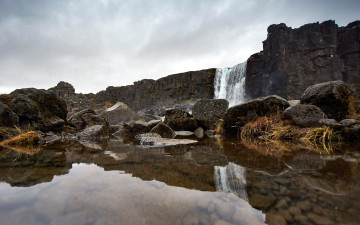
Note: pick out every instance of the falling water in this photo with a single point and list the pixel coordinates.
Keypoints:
(231, 178)
(229, 84)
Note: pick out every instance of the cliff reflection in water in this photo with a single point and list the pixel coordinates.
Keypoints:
(298, 188)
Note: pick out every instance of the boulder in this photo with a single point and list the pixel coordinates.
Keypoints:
(96, 132)
(151, 125)
(38, 109)
(331, 97)
(86, 117)
(120, 113)
(164, 130)
(304, 115)
(208, 111)
(178, 119)
(135, 127)
(7, 117)
(237, 116)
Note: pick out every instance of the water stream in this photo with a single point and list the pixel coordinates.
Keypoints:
(229, 84)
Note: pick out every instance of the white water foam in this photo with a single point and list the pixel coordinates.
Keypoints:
(229, 84)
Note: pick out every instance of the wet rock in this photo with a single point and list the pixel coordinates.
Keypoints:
(38, 109)
(199, 133)
(209, 111)
(330, 123)
(331, 97)
(178, 119)
(304, 115)
(7, 117)
(96, 132)
(275, 219)
(120, 113)
(183, 133)
(86, 117)
(238, 116)
(135, 127)
(261, 201)
(164, 130)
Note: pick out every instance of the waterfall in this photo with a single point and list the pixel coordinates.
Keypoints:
(229, 84)
(231, 178)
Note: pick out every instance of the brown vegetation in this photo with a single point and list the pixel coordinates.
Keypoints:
(281, 135)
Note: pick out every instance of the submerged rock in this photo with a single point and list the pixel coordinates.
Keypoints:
(155, 140)
(179, 119)
(238, 116)
(304, 115)
(209, 111)
(331, 97)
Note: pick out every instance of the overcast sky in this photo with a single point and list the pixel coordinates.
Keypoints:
(95, 44)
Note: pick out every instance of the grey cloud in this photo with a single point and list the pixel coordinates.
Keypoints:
(94, 44)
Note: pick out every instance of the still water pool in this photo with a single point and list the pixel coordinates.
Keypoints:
(212, 182)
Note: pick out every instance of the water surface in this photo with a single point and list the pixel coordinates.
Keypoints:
(213, 182)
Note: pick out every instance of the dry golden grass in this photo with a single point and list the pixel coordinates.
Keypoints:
(219, 127)
(354, 108)
(109, 104)
(281, 135)
(26, 139)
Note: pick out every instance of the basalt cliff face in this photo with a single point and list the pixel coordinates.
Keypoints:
(293, 59)
(145, 94)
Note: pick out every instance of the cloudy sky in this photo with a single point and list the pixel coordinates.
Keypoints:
(95, 44)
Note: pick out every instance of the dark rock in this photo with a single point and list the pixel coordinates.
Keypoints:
(63, 89)
(179, 119)
(120, 113)
(304, 115)
(164, 130)
(151, 125)
(330, 123)
(38, 109)
(86, 117)
(7, 117)
(135, 127)
(96, 132)
(294, 59)
(209, 111)
(332, 97)
(238, 116)
(199, 133)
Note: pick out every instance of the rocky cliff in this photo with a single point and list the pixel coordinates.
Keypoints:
(144, 94)
(293, 59)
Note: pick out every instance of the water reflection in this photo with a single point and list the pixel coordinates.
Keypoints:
(90, 195)
(122, 182)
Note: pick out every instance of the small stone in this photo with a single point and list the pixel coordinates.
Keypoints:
(286, 214)
(275, 219)
(281, 204)
(301, 219)
(321, 220)
(261, 201)
(199, 133)
(295, 210)
(305, 206)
